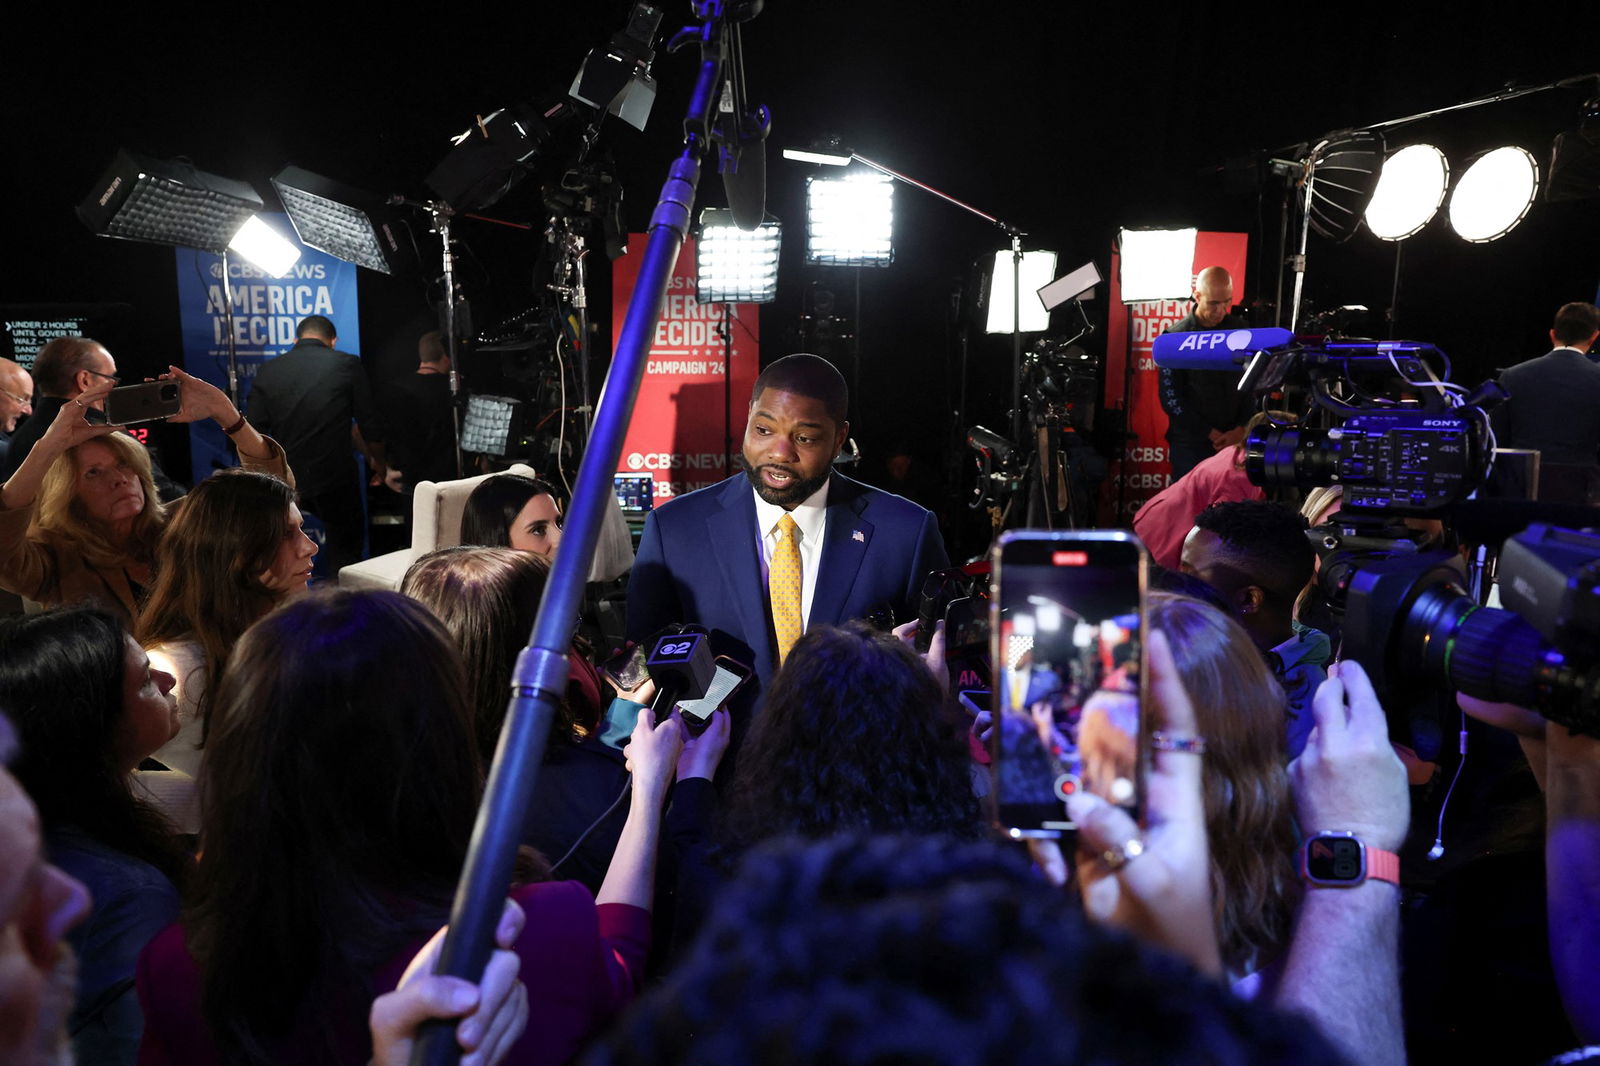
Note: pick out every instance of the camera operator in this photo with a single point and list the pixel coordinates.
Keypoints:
(1256, 554)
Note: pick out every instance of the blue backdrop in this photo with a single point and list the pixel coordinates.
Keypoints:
(265, 313)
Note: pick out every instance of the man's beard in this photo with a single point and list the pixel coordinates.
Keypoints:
(790, 497)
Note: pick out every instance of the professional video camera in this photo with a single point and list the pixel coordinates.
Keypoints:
(1382, 420)
(1060, 383)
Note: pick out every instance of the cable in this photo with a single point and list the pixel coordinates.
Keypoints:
(627, 786)
(1436, 852)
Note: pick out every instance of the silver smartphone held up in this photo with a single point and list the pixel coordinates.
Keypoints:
(143, 403)
(1067, 612)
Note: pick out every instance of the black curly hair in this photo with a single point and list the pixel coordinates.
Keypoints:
(873, 950)
(854, 735)
(1267, 541)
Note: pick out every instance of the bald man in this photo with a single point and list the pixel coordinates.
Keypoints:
(16, 401)
(1205, 411)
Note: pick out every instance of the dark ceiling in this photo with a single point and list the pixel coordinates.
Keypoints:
(1068, 120)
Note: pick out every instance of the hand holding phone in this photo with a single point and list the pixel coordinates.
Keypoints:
(1163, 895)
(148, 402)
(1066, 630)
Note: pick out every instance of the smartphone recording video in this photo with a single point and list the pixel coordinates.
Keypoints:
(1067, 627)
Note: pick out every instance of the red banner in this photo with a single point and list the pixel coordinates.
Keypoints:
(678, 434)
(1145, 468)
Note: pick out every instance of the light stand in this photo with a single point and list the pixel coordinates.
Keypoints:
(439, 215)
(835, 156)
(539, 680)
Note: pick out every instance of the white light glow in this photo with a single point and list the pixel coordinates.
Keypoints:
(831, 159)
(850, 220)
(1037, 270)
(265, 247)
(1410, 189)
(1157, 264)
(1494, 194)
(735, 265)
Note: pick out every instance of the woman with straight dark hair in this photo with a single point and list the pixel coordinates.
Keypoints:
(233, 549)
(87, 708)
(338, 795)
(513, 511)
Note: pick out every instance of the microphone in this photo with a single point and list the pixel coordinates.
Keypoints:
(1221, 349)
(682, 666)
(744, 170)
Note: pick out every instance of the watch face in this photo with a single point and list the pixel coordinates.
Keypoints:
(1330, 858)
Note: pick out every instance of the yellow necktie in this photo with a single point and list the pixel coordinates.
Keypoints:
(783, 587)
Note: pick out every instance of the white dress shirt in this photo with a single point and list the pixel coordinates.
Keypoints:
(810, 519)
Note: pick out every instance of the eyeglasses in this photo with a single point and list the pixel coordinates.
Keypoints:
(25, 401)
(114, 379)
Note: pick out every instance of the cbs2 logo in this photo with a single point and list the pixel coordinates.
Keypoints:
(682, 647)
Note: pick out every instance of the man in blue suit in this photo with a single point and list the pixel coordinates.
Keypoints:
(706, 557)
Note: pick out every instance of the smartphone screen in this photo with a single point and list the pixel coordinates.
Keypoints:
(1067, 626)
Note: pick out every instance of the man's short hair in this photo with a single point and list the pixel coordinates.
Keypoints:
(59, 362)
(1576, 322)
(811, 376)
(430, 348)
(1266, 542)
(318, 326)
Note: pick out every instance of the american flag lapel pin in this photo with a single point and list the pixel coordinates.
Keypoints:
(858, 535)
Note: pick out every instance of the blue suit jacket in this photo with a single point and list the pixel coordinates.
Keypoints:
(700, 561)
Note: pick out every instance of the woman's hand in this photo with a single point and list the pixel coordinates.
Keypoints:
(68, 429)
(1155, 884)
(701, 755)
(493, 1013)
(934, 657)
(200, 400)
(652, 755)
(71, 425)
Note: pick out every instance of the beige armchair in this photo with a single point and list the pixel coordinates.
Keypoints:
(436, 511)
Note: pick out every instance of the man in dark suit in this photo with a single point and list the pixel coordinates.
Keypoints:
(307, 398)
(1554, 407)
(1205, 410)
(733, 556)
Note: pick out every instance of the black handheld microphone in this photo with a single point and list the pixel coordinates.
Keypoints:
(682, 666)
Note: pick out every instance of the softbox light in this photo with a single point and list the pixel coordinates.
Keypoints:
(850, 220)
(346, 223)
(1156, 264)
(265, 247)
(1037, 269)
(1410, 189)
(1344, 174)
(733, 265)
(1494, 194)
(167, 202)
(616, 77)
(494, 425)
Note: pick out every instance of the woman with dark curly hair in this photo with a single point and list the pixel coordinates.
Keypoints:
(852, 736)
(87, 708)
(1239, 707)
